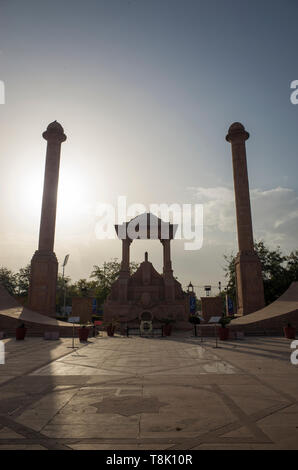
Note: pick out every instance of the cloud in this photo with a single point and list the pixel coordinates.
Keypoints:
(274, 212)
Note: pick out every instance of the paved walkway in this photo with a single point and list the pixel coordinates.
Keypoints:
(139, 393)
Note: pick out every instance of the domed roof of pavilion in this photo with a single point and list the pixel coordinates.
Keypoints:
(146, 226)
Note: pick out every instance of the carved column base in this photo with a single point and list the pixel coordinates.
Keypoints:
(43, 282)
(249, 283)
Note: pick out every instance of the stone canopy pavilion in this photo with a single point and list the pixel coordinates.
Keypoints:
(147, 294)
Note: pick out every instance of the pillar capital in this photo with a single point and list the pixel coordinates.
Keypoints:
(165, 241)
(237, 133)
(54, 133)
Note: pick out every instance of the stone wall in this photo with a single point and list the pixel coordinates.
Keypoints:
(211, 307)
(82, 307)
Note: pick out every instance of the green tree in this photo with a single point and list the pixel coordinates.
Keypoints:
(63, 284)
(9, 280)
(230, 275)
(278, 271)
(84, 287)
(23, 280)
(105, 275)
(81, 288)
(292, 265)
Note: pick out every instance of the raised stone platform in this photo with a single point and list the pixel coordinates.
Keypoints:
(269, 320)
(12, 313)
(274, 317)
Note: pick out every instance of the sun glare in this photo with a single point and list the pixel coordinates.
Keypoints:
(30, 193)
(72, 195)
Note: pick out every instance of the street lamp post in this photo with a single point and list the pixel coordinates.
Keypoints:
(64, 282)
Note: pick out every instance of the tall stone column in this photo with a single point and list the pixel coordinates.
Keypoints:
(125, 254)
(44, 264)
(124, 272)
(249, 282)
(167, 271)
(167, 263)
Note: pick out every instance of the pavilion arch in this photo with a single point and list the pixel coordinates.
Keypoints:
(146, 227)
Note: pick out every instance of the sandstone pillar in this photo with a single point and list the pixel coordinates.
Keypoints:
(125, 254)
(125, 271)
(44, 264)
(249, 283)
(167, 263)
(167, 270)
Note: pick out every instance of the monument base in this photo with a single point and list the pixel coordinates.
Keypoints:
(42, 291)
(147, 295)
(249, 282)
(132, 313)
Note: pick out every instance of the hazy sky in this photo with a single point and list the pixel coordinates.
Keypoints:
(146, 90)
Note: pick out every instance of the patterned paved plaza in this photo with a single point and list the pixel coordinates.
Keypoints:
(140, 393)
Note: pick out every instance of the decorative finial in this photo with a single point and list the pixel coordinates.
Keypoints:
(146, 255)
(54, 132)
(237, 132)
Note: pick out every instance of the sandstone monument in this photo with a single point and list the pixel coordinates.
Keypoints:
(249, 283)
(146, 294)
(44, 264)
